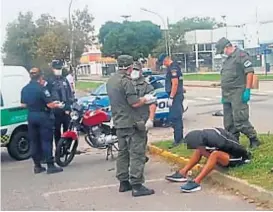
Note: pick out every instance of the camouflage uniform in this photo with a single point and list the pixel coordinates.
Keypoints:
(130, 130)
(233, 83)
(142, 88)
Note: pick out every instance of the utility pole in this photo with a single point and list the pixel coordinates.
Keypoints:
(169, 38)
(225, 21)
(164, 25)
(71, 55)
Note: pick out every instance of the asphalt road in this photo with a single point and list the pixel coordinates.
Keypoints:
(89, 183)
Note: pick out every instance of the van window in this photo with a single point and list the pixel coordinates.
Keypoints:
(11, 89)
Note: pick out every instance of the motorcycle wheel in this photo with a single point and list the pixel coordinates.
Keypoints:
(64, 153)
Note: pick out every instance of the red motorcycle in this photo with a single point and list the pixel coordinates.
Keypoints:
(97, 127)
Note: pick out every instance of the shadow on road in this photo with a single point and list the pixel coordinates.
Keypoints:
(5, 158)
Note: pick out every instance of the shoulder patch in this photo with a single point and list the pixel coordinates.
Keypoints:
(47, 94)
(247, 64)
(174, 72)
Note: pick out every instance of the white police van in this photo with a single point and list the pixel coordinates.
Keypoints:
(14, 130)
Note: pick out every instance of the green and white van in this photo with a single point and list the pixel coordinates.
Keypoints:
(14, 130)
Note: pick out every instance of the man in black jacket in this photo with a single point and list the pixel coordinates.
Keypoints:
(216, 144)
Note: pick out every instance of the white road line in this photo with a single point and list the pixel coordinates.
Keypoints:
(47, 194)
(204, 98)
(191, 100)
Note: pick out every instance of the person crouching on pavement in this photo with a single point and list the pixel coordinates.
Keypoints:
(219, 147)
(147, 112)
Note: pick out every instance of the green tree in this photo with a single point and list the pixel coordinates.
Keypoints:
(53, 43)
(83, 30)
(106, 28)
(20, 46)
(134, 38)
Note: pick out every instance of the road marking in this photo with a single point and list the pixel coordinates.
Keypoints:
(47, 194)
(204, 98)
(191, 100)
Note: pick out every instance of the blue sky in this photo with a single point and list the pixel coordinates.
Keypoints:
(237, 11)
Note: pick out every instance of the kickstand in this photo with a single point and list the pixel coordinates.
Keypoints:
(109, 152)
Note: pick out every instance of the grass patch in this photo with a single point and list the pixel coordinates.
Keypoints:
(86, 85)
(217, 77)
(257, 172)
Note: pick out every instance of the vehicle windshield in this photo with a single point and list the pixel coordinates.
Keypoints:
(100, 91)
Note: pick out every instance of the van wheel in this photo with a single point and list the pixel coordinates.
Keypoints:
(19, 147)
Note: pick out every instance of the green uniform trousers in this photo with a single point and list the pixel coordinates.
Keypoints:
(131, 156)
(236, 113)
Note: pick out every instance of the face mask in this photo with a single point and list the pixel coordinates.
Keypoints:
(135, 75)
(57, 72)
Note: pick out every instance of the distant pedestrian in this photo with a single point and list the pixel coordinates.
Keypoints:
(70, 79)
(236, 83)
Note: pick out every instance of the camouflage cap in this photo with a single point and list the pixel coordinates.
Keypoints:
(137, 66)
(125, 61)
(221, 44)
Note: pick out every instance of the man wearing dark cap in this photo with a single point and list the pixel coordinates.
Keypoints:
(174, 88)
(61, 91)
(38, 101)
(236, 82)
(219, 147)
(131, 130)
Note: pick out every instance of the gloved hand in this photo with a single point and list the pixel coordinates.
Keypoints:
(222, 101)
(170, 102)
(149, 124)
(246, 95)
(150, 98)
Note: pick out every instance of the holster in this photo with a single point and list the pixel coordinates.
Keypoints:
(140, 125)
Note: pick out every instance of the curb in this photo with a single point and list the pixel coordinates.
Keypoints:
(235, 184)
(170, 157)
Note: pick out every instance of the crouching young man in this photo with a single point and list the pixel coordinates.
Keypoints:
(218, 146)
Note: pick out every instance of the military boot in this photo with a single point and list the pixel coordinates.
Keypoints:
(140, 190)
(38, 168)
(125, 186)
(51, 168)
(254, 142)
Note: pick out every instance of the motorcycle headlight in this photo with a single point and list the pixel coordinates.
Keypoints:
(74, 115)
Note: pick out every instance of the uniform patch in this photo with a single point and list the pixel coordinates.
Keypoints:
(47, 94)
(174, 73)
(247, 64)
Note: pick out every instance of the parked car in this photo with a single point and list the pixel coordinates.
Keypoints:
(99, 98)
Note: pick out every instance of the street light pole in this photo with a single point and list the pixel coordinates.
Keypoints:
(71, 53)
(165, 31)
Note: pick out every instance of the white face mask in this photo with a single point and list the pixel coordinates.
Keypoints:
(57, 72)
(135, 74)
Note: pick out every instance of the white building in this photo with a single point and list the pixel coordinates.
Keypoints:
(248, 36)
